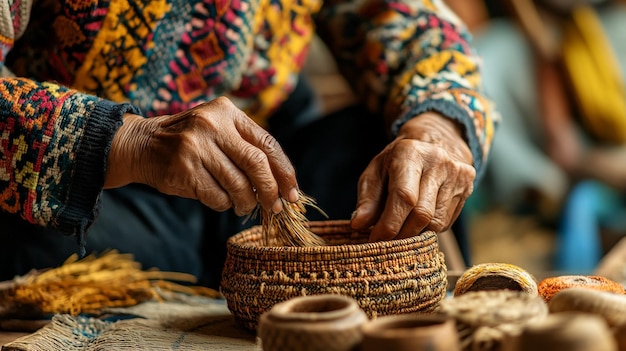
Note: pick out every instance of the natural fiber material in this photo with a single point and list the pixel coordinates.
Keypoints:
(485, 319)
(390, 277)
(288, 227)
(552, 285)
(90, 284)
(193, 324)
(495, 276)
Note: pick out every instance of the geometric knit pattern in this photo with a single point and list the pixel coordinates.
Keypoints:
(403, 57)
(38, 145)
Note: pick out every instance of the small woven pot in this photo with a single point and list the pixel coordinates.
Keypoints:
(495, 276)
(389, 277)
(312, 323)
(487, 320)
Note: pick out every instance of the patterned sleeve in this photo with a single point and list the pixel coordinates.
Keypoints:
(406, 57)
(53, 143)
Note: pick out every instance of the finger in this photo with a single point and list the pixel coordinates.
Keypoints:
(281, 168)
(412, 226)
(232, 180)
(464, 188)
(371, 192)
(211, 194)
(251, 160)
(459, 208)
(199, 184)
(424, 211)
(456, 205)
(444, 208)
(402, 198)
(254, 164)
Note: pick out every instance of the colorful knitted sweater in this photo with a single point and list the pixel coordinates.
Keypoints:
(72, 68)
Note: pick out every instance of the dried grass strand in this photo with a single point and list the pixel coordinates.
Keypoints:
(93, 283)
(290, 226)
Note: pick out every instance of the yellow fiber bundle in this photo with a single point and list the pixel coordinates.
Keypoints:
(289, 227)
(93, 283)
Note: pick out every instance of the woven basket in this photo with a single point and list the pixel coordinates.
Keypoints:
(390, 277)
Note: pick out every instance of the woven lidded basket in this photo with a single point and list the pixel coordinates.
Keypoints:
(389, 277)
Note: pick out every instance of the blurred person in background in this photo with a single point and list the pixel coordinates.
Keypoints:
(559, 152)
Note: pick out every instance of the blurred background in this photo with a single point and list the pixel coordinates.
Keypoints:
(553, 198)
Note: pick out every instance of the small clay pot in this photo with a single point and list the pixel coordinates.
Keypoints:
(572, 331)
(609, 305)
(312, 323)
(548, 287)
(414, 332)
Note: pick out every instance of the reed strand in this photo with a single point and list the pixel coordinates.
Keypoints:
(290, 226)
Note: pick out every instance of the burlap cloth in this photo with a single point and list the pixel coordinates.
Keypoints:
(193, 324)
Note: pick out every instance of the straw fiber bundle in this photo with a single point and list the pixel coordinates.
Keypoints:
(495, 276)
(288, 227)
(91, 284)
(390, 277)
(486, 319)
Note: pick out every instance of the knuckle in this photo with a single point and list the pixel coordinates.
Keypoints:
(468, 171)
(269, 143)
(423, 214)
(187, 141)
(199, 122)
(438, 153)
(223, 101)
(236, 186)
(253, 158)
(217, 202)
(437, 224)
(406, 196)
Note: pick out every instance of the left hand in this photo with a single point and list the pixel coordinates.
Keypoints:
(420, 181)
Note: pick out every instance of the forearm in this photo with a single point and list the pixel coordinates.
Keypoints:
(407, 58)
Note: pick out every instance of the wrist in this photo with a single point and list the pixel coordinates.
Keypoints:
(126, 148)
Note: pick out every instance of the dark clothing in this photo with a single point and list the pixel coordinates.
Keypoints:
(177, 234)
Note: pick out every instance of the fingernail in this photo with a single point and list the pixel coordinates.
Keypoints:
(293, 195)
(353, 214)
(277, 206)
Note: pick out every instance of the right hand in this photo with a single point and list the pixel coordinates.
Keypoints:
(214, 153)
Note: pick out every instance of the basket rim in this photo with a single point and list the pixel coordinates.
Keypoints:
(336, 226)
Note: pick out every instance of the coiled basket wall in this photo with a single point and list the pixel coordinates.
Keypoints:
(390, 277)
